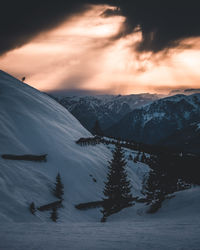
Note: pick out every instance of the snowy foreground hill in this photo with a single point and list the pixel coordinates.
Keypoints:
(33, 123)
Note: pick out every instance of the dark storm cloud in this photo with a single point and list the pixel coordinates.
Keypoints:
(22, 20)
(163, 23)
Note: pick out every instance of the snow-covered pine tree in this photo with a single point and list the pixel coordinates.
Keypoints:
(59, 187)
(117, 187)
(54, 215)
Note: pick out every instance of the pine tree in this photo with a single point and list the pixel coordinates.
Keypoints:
(143, 157)
(97, 129)
(59, 188)
(160, 182)
(135, 160)
(117, 187)
(152, 186)
(137, 157)
(130, 157)
(54, 215)
(32, 208)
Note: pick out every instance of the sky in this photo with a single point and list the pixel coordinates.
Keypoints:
(102, 47)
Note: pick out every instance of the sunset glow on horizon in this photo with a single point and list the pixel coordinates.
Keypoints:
(86, 53)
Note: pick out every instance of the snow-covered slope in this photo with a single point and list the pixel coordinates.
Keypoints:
(183, 206)
(174, 227)
(33, 123)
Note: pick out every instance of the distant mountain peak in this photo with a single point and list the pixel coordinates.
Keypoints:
(158, 120)
(107, 109)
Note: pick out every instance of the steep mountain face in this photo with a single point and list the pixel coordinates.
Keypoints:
(108, 109)
(159, 120)
(33, 123)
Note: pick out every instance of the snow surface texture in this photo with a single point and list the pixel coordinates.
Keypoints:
(175, 227)
(33, 123)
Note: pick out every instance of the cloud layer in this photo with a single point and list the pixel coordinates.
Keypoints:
(162, 23)
(83, 55)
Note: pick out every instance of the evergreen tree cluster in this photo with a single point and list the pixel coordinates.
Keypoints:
(117, 189)
(140, 157)
(165, 178)
(170, 171)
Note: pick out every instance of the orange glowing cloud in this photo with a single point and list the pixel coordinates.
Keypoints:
(83, 54)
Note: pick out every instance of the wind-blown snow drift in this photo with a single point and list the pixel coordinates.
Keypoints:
(33, 123)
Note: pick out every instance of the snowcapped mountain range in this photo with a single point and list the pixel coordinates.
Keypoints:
(159, 120)
(145, 118)
(107, 109)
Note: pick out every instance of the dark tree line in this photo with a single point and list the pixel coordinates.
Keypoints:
(37, 158)
(171, 170)
(184, 166)
(89, 141)
(150, 149)
(139, 146)
(169, 174)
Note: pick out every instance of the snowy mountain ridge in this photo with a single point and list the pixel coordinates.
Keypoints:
(107, 109)
(158, 120)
